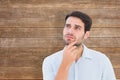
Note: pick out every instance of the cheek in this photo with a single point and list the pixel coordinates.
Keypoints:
(81, 36)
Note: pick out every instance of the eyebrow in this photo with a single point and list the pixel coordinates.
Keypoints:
(75, 25)
(78, 26)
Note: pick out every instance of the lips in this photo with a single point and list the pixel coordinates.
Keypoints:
(69, 37)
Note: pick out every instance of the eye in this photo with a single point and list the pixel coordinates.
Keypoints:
(67, 25)
(77, 27)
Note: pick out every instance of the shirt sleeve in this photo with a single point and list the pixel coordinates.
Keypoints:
(108, 73)
(47, 70)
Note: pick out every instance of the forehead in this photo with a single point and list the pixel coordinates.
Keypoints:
(74, 20)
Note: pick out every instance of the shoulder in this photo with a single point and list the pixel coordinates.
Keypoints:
(100, 59)
(95, 53)
(99, 56)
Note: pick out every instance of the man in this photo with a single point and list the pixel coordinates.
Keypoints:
(76, 61)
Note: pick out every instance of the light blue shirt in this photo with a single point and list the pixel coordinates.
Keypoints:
(92, 65)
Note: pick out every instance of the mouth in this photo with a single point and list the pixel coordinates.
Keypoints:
(69, 37)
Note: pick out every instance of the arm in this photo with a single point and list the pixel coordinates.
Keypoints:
(63, 71)
(68, 58)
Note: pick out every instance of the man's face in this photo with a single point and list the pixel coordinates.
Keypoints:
(74, 31)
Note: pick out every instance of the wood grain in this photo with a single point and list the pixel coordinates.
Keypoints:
(31, 57)
(37, 42)
(22, 73)
(53, 32)
(30, 30)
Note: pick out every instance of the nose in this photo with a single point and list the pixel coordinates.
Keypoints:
(70, 30)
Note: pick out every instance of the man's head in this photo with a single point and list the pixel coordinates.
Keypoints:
(84, 17)
(77, 27)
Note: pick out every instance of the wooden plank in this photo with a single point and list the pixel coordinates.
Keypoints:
(24, 57)
(3, 61)
(32, 29)
(29, 51)
(27, 72)
(20, 79)
(28, 32)
(38, 51)
(36, 61)
(46, 13)
(32, 3)
(11, 71)
(29, 61)
(22, 73)
(56, 41)
(18, 57)
(37, 22)
(103, 42)
(2, 71)
(105, 32)
(108, 50)
(53, 1)
(115, 60)
(106, 23)
(52, 17)
(52, 32)
(32, 57)
(30, 42)
(117, 72)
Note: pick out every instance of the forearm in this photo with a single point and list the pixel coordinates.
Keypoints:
(69, 57)
(63, 72)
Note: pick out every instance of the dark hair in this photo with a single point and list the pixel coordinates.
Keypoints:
(84, 17)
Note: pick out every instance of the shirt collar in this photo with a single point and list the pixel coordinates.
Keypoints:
(86, 53)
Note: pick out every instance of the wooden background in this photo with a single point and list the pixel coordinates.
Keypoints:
(32, 29)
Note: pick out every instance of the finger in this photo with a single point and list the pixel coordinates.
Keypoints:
(72, 44)
(73, 48)
(69, 50)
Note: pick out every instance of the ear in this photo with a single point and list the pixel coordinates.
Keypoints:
(86, 34)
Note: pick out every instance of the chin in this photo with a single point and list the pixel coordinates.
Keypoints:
(67, 42)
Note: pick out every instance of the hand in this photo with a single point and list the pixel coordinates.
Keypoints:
(70, 53)
(69, 56)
